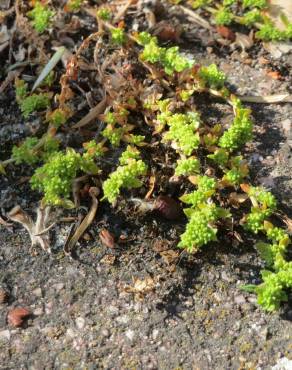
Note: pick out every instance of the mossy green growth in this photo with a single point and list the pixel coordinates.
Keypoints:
(25, 153)
(104, 14)
(41, 16)
(183, 131)
(261, 4)
(33, 103)
(240, 131)
(200, 3)
(170, 58)
(223, 17)
(201, 228)
(55, 177)
(118, 36)
(125, 176)
(187, 167)
(212, 76)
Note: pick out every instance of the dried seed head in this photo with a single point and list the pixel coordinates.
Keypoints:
(168, 207)
(107, 238)
(17, 316)
(3, 296)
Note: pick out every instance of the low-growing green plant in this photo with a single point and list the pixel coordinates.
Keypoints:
(41, 16)
(250, 13)
(33, 103)
(125, 176)
(118, 36)
(56, 176)
(170, 58)
(210, 171)
(104, 14)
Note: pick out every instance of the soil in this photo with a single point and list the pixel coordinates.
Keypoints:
(86, 313)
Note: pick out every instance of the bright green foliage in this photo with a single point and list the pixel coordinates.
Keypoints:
(273, 289)
(25, 153)
(266, 199)
(113, 134)
(264, 204)
(55, 177)
(223, 17)
(229, 2)
(41, 17)
(118, 36)
(251, 17)
(261, 4)
(33, 103)
(206, 188)
(170, 58)
(240, 132)
(276, 234)
(125, 176)
(104, 14)
(255, 220)
(200, 3)
(238, 171)
(135, 139)
(187, 167)
(220, 157)
(212, 77)
(143, 38)
(269, 32)
(130, 153)
(182, 130)
(200, 229)
(173, 61)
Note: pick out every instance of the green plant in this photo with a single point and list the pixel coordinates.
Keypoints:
(104, 14)
(125, 176)
(182, 131)
(212, 77)
(188, 166)
(33, 103)
(41, 16)
(118, 36)
(254, 4)
(55, 177)
(170, 58)
(223, 17)
(25, 152)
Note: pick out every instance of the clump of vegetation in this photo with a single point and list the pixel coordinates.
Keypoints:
(125, 176)
(55, 177)
(41, 16)
(204, 159)
(250, 13)
(30, 103)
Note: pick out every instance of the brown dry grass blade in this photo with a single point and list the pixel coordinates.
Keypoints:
(92, 114)
(268, 99)
(71, 242)
(196, 18)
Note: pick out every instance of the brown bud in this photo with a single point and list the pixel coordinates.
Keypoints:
(3, 296)
(226, 32)
(17, 316)
(168, 207)
(107, 238)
